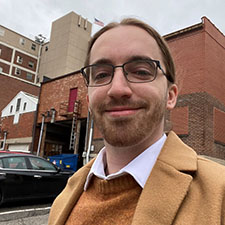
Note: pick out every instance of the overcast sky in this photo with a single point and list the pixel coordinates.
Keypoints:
(33, 17)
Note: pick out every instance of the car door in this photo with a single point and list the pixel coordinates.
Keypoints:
(16, 181)
(47, 179)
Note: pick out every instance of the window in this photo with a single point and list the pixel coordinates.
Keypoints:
(2, 32)
(19, 59)
(11, 108)
(1, 69)
(40, 164)
(17, 71)
(24, 106)
(18, 104)
(33, 47)
(31, 64)
(38, 80)
(22, 41)
(14, 163)
(29, 76)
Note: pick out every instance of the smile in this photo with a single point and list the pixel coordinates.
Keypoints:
(122, 111)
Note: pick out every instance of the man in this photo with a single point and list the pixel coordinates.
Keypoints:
(141, 176)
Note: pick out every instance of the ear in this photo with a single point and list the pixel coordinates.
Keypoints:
(172, 96)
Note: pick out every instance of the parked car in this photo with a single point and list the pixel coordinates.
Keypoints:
(25, 176)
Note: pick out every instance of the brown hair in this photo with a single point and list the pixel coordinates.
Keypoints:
(167, 58)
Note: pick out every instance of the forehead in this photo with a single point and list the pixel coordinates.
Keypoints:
(121, 43)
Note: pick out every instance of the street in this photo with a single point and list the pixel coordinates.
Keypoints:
(34, 220)
(25, 214)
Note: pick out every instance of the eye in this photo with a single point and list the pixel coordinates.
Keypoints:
(101, 74)
(140, 70)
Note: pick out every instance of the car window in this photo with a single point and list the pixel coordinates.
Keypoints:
(14, 163)
(40, 164)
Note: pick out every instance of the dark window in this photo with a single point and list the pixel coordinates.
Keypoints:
(24, 106)
(11, 108)
(33, 47)
(31, 64)
(18, 104)
(17, 71)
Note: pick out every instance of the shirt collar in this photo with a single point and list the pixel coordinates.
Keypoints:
(140, 167)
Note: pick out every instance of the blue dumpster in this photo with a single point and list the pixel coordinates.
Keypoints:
(65, 161)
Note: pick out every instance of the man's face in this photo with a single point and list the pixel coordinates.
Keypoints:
(129, 113)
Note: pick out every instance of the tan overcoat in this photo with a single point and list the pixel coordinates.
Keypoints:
(182, 188)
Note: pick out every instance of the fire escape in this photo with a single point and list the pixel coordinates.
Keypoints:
(63, 111)
(74, 125)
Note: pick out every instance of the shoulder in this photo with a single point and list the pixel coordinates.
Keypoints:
(210, 171)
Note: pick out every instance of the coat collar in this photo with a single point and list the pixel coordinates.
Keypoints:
(167, 185)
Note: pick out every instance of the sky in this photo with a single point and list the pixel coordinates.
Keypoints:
(33, 17)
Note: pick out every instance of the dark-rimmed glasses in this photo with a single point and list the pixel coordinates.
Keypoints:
(135, 71)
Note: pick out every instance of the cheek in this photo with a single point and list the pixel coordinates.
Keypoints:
(96, 95)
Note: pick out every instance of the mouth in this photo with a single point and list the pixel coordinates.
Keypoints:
(122, 111)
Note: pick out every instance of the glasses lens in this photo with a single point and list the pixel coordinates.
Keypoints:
(140, 71)
(99, 74)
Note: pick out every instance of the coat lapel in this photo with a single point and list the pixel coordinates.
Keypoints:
(70, 195)
(167, 185)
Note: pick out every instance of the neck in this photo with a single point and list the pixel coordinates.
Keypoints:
(119, 157)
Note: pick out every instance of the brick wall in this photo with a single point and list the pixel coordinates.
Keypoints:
(56, 92)
(9, 88)
(6, 53)
(22, 129)
(219, 126)
(199, 115)
(188, 54)
(180, 118)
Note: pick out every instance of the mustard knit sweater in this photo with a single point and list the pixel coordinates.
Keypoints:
(108, 202)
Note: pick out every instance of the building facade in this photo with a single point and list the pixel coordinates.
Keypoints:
(199, 116)
(19, 56)
(67, 48)
(17, 120)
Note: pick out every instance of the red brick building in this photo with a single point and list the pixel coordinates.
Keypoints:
(199, 54)
(199, 117)
(56, 116)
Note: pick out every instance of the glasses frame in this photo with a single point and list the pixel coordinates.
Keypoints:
(157, 62)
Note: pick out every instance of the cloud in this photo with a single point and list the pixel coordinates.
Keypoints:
(32, 17)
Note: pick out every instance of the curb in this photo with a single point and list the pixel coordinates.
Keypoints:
(17, 214)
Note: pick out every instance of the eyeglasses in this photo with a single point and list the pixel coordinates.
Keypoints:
(135, 71)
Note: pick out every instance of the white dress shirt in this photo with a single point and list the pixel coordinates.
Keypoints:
(139, 168)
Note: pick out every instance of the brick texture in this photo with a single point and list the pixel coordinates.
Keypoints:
(10, 88)
(55, 94)
(179, 116)
(20, 130)
(219, 128)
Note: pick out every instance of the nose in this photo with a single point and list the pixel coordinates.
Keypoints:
(119, 87)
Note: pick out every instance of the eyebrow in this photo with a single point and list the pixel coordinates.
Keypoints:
(134, 57)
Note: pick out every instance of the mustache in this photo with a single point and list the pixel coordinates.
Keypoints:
(122, 102)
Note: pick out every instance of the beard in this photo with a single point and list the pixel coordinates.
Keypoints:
(129, 130)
